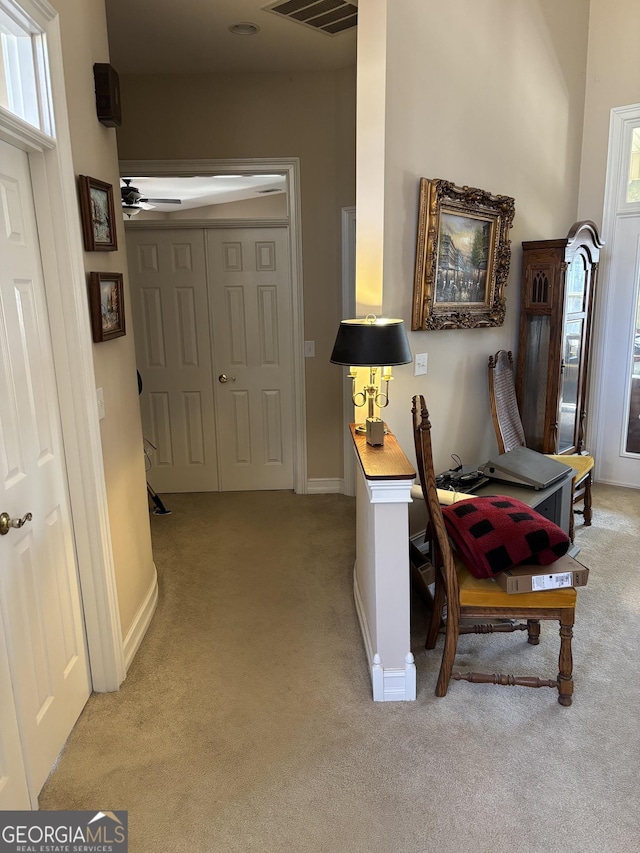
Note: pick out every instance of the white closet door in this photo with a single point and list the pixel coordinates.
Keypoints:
(170, 307)
(250, 294)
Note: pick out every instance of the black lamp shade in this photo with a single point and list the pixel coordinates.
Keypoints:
(371, 343)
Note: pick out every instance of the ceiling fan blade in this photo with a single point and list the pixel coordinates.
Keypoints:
(162, 200)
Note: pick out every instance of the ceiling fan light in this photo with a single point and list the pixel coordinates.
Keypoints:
(130, 210)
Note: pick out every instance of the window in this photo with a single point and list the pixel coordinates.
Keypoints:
(25, 89)
(633, 178)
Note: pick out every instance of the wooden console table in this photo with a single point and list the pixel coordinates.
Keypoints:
(381, 580)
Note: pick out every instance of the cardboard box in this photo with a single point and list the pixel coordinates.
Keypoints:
(565, 572)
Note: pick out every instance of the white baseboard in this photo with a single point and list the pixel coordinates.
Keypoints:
(141, 622)
(328, 486)
(616, 483)
(362, 619)
(389, 684)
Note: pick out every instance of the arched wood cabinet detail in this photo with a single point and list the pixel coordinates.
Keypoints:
(558, 292)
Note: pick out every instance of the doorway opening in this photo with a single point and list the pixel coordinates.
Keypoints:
(254, 327)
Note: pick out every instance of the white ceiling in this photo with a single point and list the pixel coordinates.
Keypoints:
(192, 36)
(201, 191)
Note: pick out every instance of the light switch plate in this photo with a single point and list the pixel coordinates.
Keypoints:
(420, 364)
(309, 349)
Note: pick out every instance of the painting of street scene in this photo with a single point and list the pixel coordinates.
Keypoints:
(100, 216)
(110, 306)
(463, 253)
(106, 299)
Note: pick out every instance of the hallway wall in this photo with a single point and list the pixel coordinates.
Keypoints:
(307, 115)
(84, 41)
(486, 95)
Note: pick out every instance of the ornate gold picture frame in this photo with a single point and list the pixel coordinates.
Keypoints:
(462, 257)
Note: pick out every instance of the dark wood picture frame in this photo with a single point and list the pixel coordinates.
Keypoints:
(98, 215)
(462, 257)
(106, 300)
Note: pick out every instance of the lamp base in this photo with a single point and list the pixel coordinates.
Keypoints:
(361, 429)
(375, 431)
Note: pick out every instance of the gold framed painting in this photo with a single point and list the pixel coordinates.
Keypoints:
(463, 255)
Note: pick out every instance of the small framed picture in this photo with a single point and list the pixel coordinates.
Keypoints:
(98, 215)
(106, 299)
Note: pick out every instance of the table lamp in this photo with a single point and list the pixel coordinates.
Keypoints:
(376, 343)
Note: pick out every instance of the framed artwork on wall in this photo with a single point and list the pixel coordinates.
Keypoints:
(106, 300)
(98, 215)
(462, 257)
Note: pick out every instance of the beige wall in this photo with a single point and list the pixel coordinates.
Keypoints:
(489, 95)
(305, 115)
(612, 76)
(612, 80)
(84, 41)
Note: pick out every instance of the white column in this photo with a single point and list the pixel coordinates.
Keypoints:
(381, 584)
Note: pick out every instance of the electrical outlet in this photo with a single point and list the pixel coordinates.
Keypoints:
(100, 401)
(420, 366)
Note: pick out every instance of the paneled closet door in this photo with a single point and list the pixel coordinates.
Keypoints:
(170, 306)
(250, 295)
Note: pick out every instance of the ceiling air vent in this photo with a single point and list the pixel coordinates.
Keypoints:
(329, 16)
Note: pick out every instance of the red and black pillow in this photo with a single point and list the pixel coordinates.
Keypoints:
(494, 534)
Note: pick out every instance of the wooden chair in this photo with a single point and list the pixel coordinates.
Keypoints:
(510, 434)
(483, 600)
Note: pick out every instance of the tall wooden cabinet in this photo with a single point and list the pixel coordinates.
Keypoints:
(558, 290)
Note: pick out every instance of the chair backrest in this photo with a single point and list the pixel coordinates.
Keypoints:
(504, 404)
(440, 547)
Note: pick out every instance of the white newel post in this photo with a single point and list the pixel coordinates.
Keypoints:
(381, 572)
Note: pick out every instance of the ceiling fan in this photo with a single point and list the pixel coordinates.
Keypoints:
(133, 202)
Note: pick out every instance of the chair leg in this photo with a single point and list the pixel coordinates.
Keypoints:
(533, 630)
(565, 661)
(449, 653)
(587, 501)
(446, 667)
(436, 614)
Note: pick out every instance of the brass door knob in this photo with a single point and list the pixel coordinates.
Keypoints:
(6, 522)
(224, 378)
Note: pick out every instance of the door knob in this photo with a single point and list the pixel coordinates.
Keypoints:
(224, 378)
(6, 523)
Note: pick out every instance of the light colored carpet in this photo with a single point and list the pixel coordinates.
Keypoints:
(246, 724)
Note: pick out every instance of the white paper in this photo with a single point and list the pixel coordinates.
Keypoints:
(556, 581)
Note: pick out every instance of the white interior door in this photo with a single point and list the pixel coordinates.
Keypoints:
(170, 308)
(39, 590)
(14, 792)
(250, 294)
